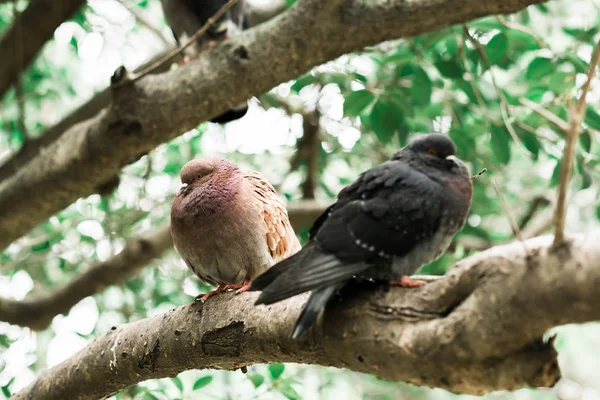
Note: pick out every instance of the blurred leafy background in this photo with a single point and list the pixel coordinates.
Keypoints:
(310, 137)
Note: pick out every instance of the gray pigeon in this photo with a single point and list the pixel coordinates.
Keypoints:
(186, 17)
(393, 219)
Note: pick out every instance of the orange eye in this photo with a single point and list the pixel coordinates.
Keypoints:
(198, 176)
(431, 152)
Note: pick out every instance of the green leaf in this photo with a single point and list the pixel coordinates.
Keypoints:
(496, 48)
(357, 101)
(536, 94)
(178, 383)
(385, 120)
(336, 78)
(586, 178)
(561, 82)
(449, 68)
(269, 100)
(555, 174)
(598, 211)
(276, 369)
(420, 91)
(302, 82)
(592, 118)
(520, 42)
(579, 65)
(582, 35)
(586, 141)
(538, 68)
(501, 143)
(257, 379)
(402, 54)
(288, 392)
(200, 383)
(530, 141)
(399, 98)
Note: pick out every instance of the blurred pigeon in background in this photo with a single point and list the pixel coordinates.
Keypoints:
(186, 17)
(229, 226)
(393, 219)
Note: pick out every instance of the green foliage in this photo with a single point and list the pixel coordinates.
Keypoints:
(200, 383)
(275, 370)
(368, 106)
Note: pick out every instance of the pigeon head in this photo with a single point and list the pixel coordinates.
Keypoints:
(208, 185)
(433, 151)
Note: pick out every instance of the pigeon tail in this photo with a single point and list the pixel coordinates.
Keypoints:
(316, 302)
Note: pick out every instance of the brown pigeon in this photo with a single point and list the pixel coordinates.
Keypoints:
(228, 225)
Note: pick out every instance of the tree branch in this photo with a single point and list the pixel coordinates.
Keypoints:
(37, 312)
(478, 329)
(41, 18)
(158, 108)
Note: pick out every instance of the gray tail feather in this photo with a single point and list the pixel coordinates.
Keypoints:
(316, 302)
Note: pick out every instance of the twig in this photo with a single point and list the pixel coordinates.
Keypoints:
(537, 203)
(511, 220)
(503, 103)
(143, 21)
(211, 21)
(522, 28)
(483, 171)
(576, 116)
(549, 115)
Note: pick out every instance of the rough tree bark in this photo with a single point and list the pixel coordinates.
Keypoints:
(478, 329)
(28, 34)
(37, 312)
(158, 108)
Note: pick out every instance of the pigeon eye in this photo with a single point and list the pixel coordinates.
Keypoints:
(431, 152)
(198, 176)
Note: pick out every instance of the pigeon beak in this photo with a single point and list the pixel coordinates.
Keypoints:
(182, 188)
(454, 160)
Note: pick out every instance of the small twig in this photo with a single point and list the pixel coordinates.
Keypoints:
(511, 220)
(548, 115)
(503, 103)
(576, 116)
(522, 28)
(211, 21)
(537, 203)
(143, 21)
(483, 171)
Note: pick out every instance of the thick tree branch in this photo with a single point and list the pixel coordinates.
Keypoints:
(40, 18)
(158, 108)
(478, 329)
(38, 312)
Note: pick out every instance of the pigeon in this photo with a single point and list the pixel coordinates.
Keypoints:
(186, 17)
(229, 226)
(392, 220)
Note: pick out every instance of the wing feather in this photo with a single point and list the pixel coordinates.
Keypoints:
(280, 237)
